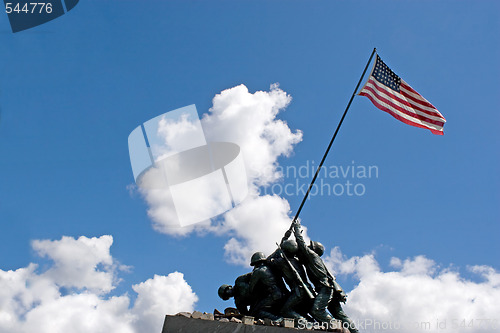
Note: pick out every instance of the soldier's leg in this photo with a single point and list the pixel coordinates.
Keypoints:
(318, 310)
(265, 314)
(288, 309)
(338, 313)
(263, 309)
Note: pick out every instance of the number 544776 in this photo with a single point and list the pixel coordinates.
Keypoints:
(32, 7)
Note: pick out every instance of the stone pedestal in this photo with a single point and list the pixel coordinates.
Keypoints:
(182, 324)
(197, 322)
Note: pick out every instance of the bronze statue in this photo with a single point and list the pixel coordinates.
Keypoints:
(329, 293)
(265, 285)
(285, 265)
(310, 256)
(263, 294)
(243, 298)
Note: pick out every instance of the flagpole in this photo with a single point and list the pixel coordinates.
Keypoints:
(333, 139)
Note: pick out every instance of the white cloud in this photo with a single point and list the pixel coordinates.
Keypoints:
(73, 294)
(257, 224)
(81, 273)
(418, 295)
(85, 312)
(159, 296)
(249, 120)
(176, 135)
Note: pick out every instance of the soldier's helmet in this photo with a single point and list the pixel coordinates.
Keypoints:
(290, 246)
(257, 257)
(224, 291)
(317, 247)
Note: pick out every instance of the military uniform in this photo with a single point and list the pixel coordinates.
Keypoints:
(338, 313)
(243, 298)
(329, 293)
(264, 284)
(319, 276)
(297, 301)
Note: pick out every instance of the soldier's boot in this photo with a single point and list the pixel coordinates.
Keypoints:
(288, 311)
(264, 314)
(353, 329)
(347, 322)
(291, 314)
(321, 315)
(338, 313)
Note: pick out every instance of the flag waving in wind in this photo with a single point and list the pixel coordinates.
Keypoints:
(391, 94)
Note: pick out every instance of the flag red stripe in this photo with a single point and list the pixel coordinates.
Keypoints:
(394, 95)
(395, 115)
(379, 103)
(409, 92)
(419, 101)
(381, 95)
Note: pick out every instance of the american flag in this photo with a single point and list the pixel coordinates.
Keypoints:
(391, 94)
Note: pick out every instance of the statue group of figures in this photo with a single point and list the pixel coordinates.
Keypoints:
(263, 294)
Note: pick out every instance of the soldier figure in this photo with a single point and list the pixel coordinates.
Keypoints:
(264, 285)
(336, 309)
(322, 280)
(263, 294)
(241, 293)
(293, 272)
(318, 274)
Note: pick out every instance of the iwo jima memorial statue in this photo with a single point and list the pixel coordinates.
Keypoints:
(263, 294)
(292, 287)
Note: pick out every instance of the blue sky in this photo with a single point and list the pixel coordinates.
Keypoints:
(73, 89)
